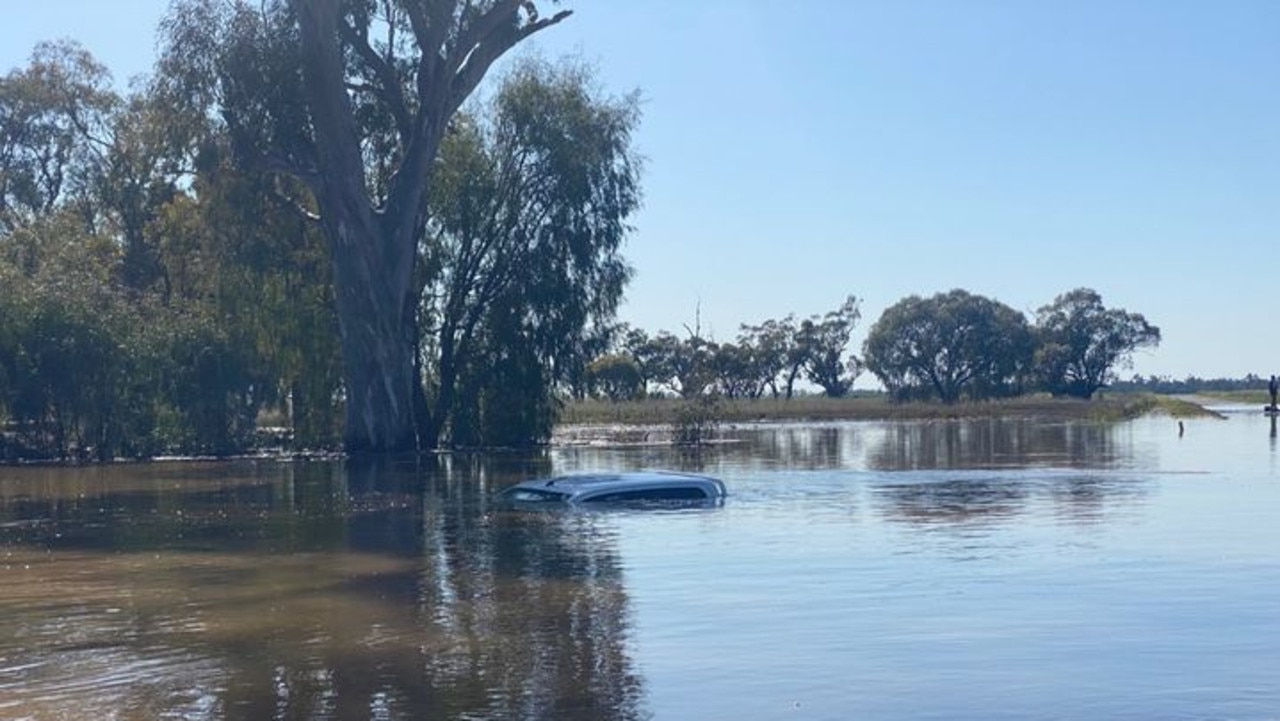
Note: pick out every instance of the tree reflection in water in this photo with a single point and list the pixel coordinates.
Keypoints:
(307, 591)
(994, 443)
(996, 469)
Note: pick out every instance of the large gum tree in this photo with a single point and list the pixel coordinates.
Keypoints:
(1081, 342)
(352, 98)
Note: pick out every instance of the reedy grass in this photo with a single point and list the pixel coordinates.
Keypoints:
(664, 411)
(1258, 397)
(1181, 408)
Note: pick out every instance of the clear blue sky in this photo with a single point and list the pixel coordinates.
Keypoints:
(1013, 149)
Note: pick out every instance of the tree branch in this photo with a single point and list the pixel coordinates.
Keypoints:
(430, 30)
(294, 205)
(337, 140)
(470, 66)
(475, 32)
(306, 172)
(391, 91)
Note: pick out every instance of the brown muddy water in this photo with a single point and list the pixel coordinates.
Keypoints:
(943, 570)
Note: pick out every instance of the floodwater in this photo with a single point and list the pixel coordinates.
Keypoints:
(922, 570)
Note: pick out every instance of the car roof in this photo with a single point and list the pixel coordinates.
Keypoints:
(580, 483)
(630, 477)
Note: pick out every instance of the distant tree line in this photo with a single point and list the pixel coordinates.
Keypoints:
(948, 347)
(1188, 384)
(767, 358)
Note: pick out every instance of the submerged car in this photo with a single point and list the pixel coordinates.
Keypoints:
(640, 487)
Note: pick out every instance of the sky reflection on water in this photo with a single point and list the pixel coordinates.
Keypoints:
(990, 569)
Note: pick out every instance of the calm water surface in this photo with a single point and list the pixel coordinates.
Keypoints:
(944, 570)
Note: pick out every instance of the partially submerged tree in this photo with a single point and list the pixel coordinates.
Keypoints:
(155, 296)
(523, 268)
(352, 98)
(1081, 342)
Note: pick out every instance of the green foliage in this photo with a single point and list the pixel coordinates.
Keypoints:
(503, 400)
(238, 250)
(92, 372)
(648, 358)
(53, 118)
(616, 377)
(949, 346)
(207, 264)
(770, 356)
(697, 420)
(1080, 342)
(687, 363)
(777, 354)
(83, 363)
(208, 383)
(735, 369)
(522, 263)
(352, 102)
(155, 297)
(822, 342)
(63, 363)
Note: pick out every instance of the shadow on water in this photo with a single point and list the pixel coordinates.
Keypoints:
(305, 591)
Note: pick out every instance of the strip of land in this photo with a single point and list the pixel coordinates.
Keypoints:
(665, 411)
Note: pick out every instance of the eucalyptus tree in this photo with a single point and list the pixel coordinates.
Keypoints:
(822, 342)
(649, 360)
(156, 296)
(352, 98)
(522, 255)
(776, 352)
(54, 120)
(229, 248)
(148, 163)
(1081, 342)
(57, 351)
(733, 366)
(616, 376)
(947, 346)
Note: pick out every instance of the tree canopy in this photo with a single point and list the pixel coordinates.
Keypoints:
(522, 266)
(948, 346)
(1080, 342)
(352, 99)
(183, 284)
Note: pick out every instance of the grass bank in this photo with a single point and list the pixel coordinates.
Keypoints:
(1248, 398)
(664, 411)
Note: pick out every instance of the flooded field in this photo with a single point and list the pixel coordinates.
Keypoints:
(946, 570)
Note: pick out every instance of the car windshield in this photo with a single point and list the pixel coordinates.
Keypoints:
(533, 495)
(675, 494)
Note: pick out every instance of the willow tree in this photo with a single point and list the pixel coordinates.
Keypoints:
(523, 252)
(352, 98)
